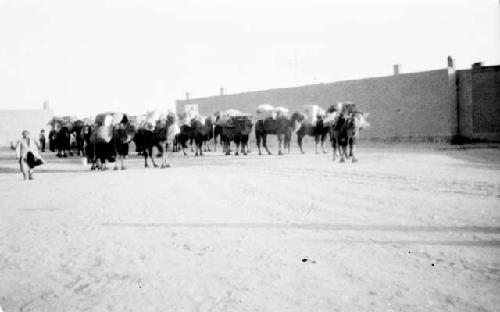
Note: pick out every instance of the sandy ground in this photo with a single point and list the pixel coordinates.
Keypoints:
(408, 228)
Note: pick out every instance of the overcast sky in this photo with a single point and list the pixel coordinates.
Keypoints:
(87, 57)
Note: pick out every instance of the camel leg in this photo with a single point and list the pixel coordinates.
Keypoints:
(164, 163)
(299, 142)
(280, 143)
(334, 148)
(343, 153)
(353, 158)
(280, 150)
(352, 148)
(264, 143)
(237, 149)
(160, 151)
(145, 159)
(323, 138)
(257, 138)
(98, 164)
(183, 149)
(153, 161)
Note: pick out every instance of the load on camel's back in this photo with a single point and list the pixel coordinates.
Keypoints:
(276, 121)
(345, 121)
(235, 127)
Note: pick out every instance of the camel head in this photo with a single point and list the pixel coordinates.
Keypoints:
(333, 108)
(172, 118)
(296, 120)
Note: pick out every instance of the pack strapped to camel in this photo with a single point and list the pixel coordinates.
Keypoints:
(312, 113)
(265, 111)
(281, 111)
(104, 123)
(64, 121)
(228, 117)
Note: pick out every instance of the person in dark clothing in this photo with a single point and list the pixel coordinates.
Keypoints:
(121, 140)
(52, 140)
(42, 141)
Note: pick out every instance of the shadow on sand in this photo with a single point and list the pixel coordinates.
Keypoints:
(316, 227)
(341, 227)
(39, 170)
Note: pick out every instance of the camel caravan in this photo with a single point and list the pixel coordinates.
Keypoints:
(105, 139)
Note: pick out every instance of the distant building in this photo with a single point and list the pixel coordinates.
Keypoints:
(13, 122)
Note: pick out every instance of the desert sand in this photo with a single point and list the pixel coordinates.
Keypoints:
(407, 228)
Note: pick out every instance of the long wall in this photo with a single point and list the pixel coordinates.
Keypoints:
(13, 122)
(408, 106)
(437, 104)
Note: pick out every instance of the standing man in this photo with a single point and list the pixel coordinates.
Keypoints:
(42, 141)
(52, 139)
(28, 156)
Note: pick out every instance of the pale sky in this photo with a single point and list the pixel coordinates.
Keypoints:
(87, 57)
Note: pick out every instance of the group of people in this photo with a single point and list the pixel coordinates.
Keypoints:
(107, 138)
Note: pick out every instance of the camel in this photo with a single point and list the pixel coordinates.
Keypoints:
(311, 126)
(344, 129)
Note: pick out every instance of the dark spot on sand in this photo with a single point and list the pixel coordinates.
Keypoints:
(305, 260)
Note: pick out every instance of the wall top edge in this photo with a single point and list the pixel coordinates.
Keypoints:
(444, 70)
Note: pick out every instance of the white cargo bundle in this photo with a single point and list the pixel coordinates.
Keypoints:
(116, 118)
(281, 111)
(311, 114)
(265, 111)
(330, 118)
(235, 113)
(108, 121)
(200, 119)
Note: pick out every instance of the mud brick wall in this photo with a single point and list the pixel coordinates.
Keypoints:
(412, 106)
